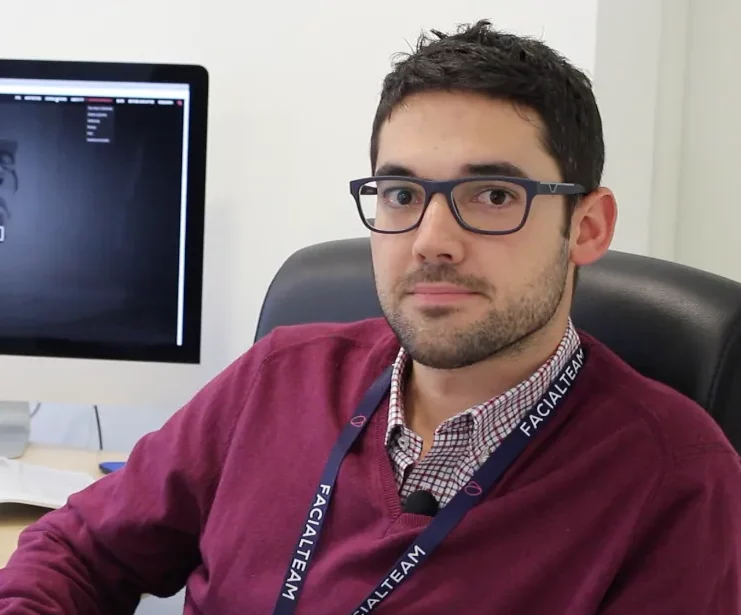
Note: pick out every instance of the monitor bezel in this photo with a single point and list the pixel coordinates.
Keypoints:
(197, 78)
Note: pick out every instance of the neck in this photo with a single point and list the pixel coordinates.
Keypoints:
(432, 395)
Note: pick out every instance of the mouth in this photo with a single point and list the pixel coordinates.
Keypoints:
(441, 293)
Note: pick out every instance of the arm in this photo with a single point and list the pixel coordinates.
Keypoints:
(687, 560)
(136, 530)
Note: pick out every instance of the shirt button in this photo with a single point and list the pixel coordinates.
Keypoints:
(403, 442)
(483, 457)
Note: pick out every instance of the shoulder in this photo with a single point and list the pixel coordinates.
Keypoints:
(677, 425)
(299, 352)
(319, 339)
(669, 449)
(341, 340)
(359, 332)
(304, 358)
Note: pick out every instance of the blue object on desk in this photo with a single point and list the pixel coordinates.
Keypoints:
(111, 466)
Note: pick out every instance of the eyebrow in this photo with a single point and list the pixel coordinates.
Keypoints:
(506, 169)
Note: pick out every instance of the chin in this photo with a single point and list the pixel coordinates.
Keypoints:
(436, 316)
(444, 337)
(443, 354)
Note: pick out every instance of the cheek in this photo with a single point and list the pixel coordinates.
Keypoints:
(512, 262)
(390, 260)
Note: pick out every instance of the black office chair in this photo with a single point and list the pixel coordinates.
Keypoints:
(675, 324)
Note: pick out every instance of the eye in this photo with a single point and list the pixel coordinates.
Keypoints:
(399, 196)
(498, 197)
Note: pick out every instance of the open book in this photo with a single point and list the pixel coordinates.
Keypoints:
(24, 483)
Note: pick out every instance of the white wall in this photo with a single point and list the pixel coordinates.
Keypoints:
(709, 204)
(294, 88)
(668, 127)
(625, 65)
(639, 82)
(668, 87)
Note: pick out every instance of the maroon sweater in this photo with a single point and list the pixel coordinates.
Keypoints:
(627, 503)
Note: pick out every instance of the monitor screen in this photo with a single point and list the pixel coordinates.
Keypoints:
(102, 184)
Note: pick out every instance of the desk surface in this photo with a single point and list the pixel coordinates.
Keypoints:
(14, 518)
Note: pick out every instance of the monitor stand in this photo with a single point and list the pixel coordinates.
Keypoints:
(15, 428)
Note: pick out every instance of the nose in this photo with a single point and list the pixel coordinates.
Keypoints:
(439, 237)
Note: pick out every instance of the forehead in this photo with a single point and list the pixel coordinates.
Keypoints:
(435, 134)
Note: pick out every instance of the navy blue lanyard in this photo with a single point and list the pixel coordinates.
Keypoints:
(449, 516)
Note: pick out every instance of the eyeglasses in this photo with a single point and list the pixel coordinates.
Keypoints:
(491, 205)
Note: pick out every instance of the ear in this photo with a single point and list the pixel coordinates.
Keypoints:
(592, 226)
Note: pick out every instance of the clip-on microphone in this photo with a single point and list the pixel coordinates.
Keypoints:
(421, 503)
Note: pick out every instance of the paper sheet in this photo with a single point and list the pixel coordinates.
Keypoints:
(24, 483)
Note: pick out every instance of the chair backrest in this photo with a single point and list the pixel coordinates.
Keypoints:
(675, 324)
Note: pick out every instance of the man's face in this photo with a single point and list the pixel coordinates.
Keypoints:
(512, 284)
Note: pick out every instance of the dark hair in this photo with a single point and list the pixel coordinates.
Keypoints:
(519, 69)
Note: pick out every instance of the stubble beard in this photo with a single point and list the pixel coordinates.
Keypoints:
(430, 341)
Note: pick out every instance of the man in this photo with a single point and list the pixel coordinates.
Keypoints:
(308, 476)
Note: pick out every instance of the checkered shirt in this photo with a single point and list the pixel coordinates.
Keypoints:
(463, 443)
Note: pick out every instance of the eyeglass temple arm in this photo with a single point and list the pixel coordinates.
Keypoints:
(560, 188)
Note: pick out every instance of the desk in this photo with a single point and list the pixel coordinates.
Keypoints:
(15, 518)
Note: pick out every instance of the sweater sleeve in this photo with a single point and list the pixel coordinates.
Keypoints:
(687, 560)
(136, 530)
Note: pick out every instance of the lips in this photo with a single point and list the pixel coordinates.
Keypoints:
(440, 295)
(440, 289)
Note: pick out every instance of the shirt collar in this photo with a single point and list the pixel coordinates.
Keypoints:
(534, 388)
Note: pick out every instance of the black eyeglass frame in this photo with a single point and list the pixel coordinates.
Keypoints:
(532, 187)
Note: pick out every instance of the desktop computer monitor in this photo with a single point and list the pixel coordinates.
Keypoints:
(102, 190)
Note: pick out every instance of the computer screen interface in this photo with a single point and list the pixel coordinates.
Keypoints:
(93, 210)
